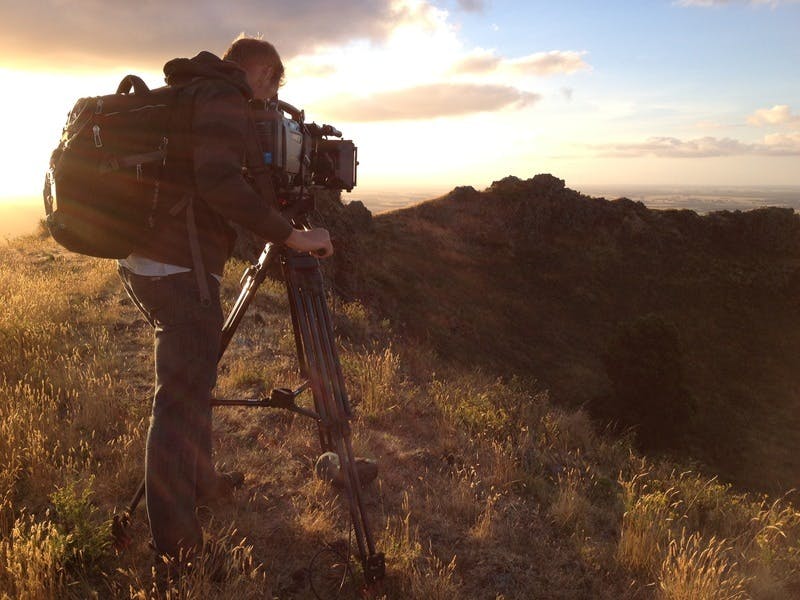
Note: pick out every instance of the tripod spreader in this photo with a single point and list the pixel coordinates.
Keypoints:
(278, 398)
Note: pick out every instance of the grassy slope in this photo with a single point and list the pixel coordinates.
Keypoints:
(530, 278)
(487, 490)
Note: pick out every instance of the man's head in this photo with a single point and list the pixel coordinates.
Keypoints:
(260, 62)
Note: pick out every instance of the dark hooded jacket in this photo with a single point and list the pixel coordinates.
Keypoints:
(206, 152)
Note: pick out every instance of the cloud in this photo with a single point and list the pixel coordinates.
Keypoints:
(93, 33)
(479, 61)
(782, 144)
(540, 64)
(550, 63)
(708, 3)
(472, 5)
(670, 147)
(780, 114)
(705, 147)
(311, 70)
(426, 102)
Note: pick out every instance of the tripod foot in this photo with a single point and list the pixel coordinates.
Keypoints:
(121, 539)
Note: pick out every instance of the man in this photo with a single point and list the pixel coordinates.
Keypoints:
(173, 278)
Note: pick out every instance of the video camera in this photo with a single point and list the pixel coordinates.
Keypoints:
(302, 156)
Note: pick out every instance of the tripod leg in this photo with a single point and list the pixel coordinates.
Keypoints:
(314, 324)
(119, 524)
(328, 343)
(302, 319)
(251, 281)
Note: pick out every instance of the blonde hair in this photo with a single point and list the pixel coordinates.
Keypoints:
(245, 50)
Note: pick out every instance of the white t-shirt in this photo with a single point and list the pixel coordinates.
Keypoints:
(147, 267)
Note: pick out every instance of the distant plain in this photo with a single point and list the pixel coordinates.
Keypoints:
(20, 216)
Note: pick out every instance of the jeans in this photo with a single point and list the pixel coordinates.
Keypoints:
(178, 462)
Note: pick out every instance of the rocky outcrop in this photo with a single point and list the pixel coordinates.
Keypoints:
(347, 224)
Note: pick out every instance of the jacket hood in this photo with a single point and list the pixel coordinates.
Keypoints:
(208, 66)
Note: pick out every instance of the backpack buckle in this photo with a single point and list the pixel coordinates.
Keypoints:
(98, 141)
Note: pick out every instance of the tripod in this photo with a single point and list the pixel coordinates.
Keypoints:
(320, 368)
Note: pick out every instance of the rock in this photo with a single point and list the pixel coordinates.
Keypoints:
(544, 183)
(327, 468)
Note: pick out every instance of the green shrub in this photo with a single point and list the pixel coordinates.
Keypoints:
(87, 535)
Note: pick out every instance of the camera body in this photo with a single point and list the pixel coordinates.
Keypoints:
(302, 156)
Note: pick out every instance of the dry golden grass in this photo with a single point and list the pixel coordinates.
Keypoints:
(487, 490)
(685, 532)
(570, 507)
(31, 561)
(374, 381)
(699, 568)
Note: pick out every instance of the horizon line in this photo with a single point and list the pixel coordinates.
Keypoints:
(28, 199)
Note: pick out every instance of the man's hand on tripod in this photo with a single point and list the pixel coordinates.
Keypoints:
(316, 241)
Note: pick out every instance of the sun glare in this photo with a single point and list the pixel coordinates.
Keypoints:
(33, 109)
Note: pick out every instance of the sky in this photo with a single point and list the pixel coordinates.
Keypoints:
(442, 93)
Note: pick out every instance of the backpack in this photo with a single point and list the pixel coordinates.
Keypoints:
(105, 177)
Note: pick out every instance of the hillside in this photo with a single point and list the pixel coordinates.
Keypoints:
(489, 486)
(692, 322)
